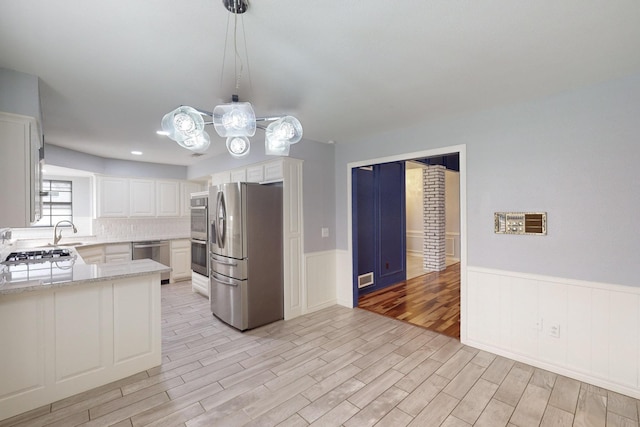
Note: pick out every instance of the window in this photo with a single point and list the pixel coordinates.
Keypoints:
(56, 204)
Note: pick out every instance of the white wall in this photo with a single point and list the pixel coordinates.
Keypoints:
(64, 157)
(414, 209)
(574, 156)
(20, 93)
(452, 214)
(566, 155)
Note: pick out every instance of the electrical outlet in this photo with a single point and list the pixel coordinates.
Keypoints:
(554, 330)
(324, 231)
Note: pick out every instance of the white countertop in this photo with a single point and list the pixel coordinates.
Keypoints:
(28, 277)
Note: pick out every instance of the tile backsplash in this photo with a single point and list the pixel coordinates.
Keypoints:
(134, 229)
(105, 230)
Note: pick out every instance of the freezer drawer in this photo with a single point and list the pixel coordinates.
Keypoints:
(244, 304)
(231, 267)
(228, 300)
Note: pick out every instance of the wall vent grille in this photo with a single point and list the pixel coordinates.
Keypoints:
(365, 280)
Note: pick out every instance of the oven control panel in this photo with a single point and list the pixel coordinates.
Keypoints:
(520, 223)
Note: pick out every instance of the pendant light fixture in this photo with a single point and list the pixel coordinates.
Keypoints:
(235, 121)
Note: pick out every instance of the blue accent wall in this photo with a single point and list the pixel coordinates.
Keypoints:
(379, 225)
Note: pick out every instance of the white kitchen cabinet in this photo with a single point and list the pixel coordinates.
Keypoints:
(180, 260)
(167, 198)
(93, 254)
(65, 340)
(200, 284)
(273, 171)
(117, 252)
(186, 188)
(112, 197)
(142, 201)
(220, 178)
(20, 143)
(239, 175)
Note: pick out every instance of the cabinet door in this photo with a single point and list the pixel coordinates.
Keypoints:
(143, 197)
(239, 175)
(113, 197)
(186, 188)
(167, 198)
(16, 172)
(180, 260)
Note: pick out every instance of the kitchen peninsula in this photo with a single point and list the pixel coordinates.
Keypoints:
(67, 327)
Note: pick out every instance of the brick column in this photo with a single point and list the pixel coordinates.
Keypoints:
(434, 258)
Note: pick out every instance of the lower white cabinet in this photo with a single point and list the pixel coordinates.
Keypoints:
(116, 252)
(200, 284)
(93, 254)
(62, 341)
(110, 252)
(180, 260)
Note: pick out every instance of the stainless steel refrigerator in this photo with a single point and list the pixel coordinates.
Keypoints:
(245, 244)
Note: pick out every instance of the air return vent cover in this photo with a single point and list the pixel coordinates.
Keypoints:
(365, 280)
(520, 223)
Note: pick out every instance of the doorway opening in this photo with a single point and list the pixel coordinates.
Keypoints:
(419, 234)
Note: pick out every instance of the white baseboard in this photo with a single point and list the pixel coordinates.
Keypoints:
(585, 330)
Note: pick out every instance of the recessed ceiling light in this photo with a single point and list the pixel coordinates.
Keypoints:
(162, 132)
(137, 153)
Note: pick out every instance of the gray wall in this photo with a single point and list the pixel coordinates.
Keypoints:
(20, 93)
(318, 185)
(64, 157)
(575, 156)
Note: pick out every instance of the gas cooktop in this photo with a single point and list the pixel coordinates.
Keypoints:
(37, 255)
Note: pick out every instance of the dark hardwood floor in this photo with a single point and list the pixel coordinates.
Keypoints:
(431, 301)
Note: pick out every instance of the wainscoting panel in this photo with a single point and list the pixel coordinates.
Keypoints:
(585, 330)
(320, 272)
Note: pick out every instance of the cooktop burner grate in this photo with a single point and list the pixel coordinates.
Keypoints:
(37, 255)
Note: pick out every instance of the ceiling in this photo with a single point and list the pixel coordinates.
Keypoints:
(110, 70)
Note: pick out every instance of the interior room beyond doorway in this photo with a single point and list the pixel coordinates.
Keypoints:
(429, 293)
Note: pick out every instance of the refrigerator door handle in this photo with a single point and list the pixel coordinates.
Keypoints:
(221, 214)
(223, 282)
(231, 264)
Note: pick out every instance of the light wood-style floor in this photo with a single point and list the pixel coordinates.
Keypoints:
(335, 367)
(430, 300)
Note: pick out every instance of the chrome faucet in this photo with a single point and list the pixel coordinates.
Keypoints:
(56, 236)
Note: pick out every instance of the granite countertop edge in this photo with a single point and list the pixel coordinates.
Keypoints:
(90, 273)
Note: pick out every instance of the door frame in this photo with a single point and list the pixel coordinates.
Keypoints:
(462, 152)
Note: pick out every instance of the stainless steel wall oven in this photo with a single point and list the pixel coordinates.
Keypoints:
(199, 233)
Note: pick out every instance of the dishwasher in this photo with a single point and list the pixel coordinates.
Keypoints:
(157, 250)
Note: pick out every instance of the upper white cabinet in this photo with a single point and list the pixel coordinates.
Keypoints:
(186, 188)
(168, 198)
(142, 197)
(112, 197)
(20, 143)
(265, 172)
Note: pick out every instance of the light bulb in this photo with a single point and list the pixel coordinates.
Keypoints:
(238, 146)
(182, 123)
(234, 119)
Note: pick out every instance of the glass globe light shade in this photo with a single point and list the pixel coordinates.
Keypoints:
(276, 147)
(238, 146)
(182, 123)
(287, 128)
(234, 119)
(198, 144)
